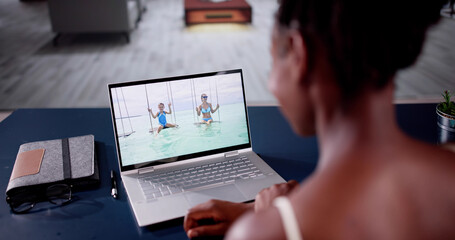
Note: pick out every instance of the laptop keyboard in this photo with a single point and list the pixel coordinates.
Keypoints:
(209, 175)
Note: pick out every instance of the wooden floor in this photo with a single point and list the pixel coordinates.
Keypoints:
(33, 73)
(4, 114)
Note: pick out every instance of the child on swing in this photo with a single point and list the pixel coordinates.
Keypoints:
(161, 114)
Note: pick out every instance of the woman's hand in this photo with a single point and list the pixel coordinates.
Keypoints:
(265, 197)
(150, 110)
(218, 217)
(169, 104)
(217, 106)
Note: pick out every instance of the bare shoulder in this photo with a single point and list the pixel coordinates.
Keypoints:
(423, 178)
(427, 169)
(417, 180)
(428, 161)
(263, 225)
(326, 205)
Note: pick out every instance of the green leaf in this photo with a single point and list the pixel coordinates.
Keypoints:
(444, 107)
(447, 106)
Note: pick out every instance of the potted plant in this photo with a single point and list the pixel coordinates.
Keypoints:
(446, 118)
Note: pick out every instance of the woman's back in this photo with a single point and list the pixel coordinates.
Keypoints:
(405, 193)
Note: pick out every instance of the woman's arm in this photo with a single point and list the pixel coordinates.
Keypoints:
(214, 110)
(198, 110)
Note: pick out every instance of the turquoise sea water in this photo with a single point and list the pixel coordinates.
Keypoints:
(143, 146)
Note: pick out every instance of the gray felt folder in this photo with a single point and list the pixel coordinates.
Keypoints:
(42, 164)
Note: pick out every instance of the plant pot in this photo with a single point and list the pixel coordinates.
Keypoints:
(446, 124)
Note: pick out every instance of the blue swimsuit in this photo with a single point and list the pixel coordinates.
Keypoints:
(162, 119)
(206, 111)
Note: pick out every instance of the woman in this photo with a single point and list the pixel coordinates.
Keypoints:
(333, 70)
(206, 109)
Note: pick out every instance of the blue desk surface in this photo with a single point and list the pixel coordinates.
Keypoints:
(96, 215)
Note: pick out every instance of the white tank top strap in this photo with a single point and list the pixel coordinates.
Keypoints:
(288, 218)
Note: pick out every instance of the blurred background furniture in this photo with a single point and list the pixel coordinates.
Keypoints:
(88, 16)
(233, 11)
(448, 10)
(142, 8)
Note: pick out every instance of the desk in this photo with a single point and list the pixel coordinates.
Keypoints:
(96, 215)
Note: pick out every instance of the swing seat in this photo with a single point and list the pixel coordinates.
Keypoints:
(156, 129)
(203, 123)
(126, 134)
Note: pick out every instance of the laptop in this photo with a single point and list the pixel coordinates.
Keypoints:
(182, 141)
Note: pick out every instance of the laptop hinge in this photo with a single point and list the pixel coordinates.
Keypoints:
(145, 170)
(231, 154)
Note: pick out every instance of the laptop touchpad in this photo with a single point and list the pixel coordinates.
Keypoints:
(227, 193)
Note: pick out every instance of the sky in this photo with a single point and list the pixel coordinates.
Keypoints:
(229, 88)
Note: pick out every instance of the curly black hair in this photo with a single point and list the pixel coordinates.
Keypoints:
(366, 42)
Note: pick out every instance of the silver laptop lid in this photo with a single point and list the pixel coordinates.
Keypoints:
(140, 145)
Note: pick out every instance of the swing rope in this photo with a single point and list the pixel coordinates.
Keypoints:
(217, 100)
(173, 107)
(126, 107)
(192, 101)
(195, 101)
(167, 91)
(148, 107)
(210, 89)
(120, 111)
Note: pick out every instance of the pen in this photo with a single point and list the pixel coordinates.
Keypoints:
(113, 185)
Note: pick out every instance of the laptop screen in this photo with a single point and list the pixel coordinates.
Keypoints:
(171, 119)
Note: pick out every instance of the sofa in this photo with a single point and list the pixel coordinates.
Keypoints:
(93, 16)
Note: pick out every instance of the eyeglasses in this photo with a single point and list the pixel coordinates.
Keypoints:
(58, 194)
(205, 97)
